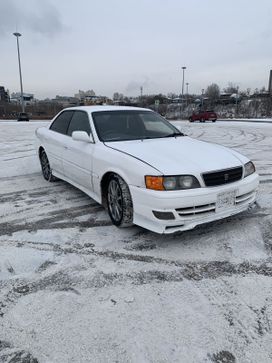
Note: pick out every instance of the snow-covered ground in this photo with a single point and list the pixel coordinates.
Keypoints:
(264, 120)
(73, 288)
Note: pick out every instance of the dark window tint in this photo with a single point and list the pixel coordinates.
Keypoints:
(62, 122)
(79, 122)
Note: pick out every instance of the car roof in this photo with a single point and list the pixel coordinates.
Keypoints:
(91, 109)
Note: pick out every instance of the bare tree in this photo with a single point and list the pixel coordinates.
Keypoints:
(213, 93)
(231, 88)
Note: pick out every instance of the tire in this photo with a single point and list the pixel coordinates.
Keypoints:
(213, 120)
(46, 169)
(119, 202)
(190, 119)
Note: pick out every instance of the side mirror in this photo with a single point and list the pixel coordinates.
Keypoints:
(81, 136)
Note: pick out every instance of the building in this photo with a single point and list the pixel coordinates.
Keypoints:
(66, 101)
(82, 95)
(4, 95)
(28, 98)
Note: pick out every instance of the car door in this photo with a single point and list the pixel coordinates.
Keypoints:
(77, 157)
(54, 141)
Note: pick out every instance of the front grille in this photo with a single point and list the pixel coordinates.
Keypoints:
(225, 176)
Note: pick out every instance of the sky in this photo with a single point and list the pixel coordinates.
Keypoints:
(118, 46)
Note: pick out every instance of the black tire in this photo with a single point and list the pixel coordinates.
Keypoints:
(46, 169)
(119, 202)
(190, 119)
(213, 120)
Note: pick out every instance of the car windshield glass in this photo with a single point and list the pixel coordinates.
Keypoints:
(123, 125)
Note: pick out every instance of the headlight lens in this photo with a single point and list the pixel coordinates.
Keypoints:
(170, 182)
(187, 181)
(249, 168)
(178, 182)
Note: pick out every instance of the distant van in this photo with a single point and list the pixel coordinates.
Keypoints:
(23, 116)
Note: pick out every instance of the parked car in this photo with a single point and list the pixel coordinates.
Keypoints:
(23, 116)
(143, 169)
(203, 116)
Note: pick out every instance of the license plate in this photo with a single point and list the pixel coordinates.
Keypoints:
(225, 200)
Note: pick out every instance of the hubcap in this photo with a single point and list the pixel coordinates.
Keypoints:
(45, 166)
(115, 200)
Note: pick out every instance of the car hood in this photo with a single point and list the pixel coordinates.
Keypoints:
(180, 155)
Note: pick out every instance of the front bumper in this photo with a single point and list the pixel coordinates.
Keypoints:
(190, 207)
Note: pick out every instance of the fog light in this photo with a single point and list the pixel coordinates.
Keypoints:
(164, 215)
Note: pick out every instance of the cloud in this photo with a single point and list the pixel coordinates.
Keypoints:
(37, 16)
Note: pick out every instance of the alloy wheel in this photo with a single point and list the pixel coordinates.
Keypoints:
(46, 170)
(115, 201)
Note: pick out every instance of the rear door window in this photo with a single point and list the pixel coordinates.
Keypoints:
(61, 123)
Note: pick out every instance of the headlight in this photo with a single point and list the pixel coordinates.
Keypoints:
(170, 182)
(187, 181)
(178, 182)
(249, 169)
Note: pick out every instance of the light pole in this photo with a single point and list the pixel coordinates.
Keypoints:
(182, 89)
(187, 93)
(17, 35)
(202, 94)
(236, 102)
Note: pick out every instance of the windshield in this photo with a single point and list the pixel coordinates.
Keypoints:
(132, 125)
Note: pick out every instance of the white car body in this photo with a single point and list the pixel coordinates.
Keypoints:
(84, 164)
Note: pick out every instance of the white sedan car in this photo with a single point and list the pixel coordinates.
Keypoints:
(143, 169)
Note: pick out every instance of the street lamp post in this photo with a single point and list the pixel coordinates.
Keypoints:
(187, 93)
(236, 102)
(17, 35)
(182, 89)
(202, 96)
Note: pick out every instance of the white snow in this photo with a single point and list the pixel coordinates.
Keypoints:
(73, 288)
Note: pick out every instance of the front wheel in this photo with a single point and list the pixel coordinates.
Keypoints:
(119, 201)
(46, 169)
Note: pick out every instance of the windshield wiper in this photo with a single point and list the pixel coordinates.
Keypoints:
(174, 134)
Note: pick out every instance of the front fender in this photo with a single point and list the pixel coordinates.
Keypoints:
(130, 169)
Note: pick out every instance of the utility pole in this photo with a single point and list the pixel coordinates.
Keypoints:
(236, 102)
(202, 96)
(17, 35)
(187, 93)
(182, 89)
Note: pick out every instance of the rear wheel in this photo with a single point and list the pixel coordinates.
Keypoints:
(119, 201)
(46, 169)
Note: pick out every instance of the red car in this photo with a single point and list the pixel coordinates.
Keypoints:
(203, 116)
